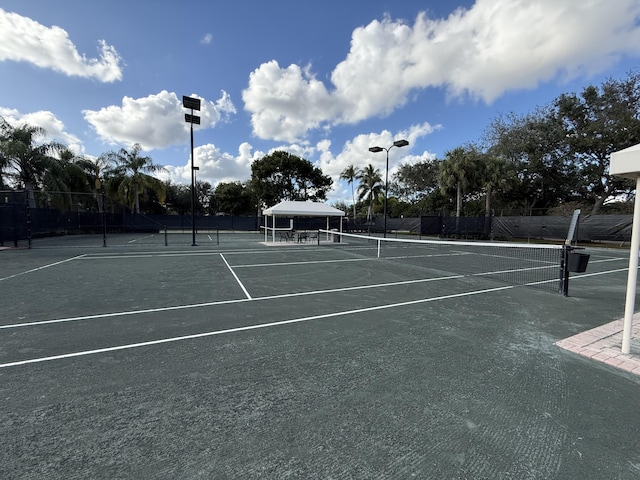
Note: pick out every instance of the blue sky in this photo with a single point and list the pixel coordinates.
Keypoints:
(323, 80)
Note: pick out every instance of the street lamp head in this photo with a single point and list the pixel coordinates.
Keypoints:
(400, 143)
(375, 149)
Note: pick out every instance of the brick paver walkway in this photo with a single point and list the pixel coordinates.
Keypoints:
(604, 344)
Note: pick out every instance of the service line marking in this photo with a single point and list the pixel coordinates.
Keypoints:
(42, 267)
(223, 302)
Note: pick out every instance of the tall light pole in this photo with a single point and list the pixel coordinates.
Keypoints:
(192, 104)
(397, 143)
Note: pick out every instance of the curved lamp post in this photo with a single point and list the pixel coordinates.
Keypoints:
(397, 143)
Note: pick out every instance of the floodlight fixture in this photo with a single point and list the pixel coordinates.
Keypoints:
(192, 119)
(191, 102)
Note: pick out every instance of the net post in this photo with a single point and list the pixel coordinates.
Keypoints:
(318, 237)
(166, 238)
(564, 269)
(379, 242)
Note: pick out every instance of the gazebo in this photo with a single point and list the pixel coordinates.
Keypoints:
(297, 209)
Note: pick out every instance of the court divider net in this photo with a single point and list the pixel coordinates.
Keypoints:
(535, 265)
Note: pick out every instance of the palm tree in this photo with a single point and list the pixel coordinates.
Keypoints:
(4, 161)
(494, 172)
(350, 174)
(370, 187)
(131, 175)
(28, 158)
(65, 178)
(457, 171)
(96, 170)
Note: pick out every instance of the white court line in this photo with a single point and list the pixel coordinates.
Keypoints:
(181, 253)
(141, 238)
(149, 255)
(249, 327)
(279, 264)
(42, 267)
(235, 276)
(224, 302)
(595, 274)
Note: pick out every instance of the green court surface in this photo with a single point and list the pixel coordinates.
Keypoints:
(236, 359)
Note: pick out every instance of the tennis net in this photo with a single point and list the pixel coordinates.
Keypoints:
(536, 265)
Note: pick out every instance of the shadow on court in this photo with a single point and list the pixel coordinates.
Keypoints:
(238, 360)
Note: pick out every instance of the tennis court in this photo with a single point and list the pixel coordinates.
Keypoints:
(237, 359)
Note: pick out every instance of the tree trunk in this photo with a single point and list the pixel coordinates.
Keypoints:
(137, 198)
(459, 201)
(353, 199)
(31, 197)
(487, 203)
(598, 204)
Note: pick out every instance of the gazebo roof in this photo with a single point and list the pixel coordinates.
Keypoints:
(626, 163)
(303, 209)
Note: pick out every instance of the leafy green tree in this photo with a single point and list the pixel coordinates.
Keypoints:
(561, 151)
(130, 176)
(370, 188)
(596, 123)
(204, 193)
(283, 176)
(178, 198)
(535, 147)
(350, 174)
(413, 181)
(234, 198)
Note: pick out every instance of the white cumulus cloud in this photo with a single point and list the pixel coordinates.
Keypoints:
(214, 165)
(25, 40)
(156, 121)
(480, 53)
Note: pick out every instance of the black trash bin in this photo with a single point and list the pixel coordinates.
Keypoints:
(578, 262)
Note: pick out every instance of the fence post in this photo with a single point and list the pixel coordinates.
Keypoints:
(28, 224)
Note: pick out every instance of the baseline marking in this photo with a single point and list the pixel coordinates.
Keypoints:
(42, 267)
(249, 327)
(235, 276)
